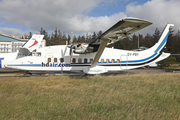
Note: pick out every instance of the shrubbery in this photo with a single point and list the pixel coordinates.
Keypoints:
(166, 62)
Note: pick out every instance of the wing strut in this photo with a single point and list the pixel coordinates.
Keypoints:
(99, 52)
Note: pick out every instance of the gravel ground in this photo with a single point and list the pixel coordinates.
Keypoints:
(134, 71)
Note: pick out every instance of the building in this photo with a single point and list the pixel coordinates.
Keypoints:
(9, 44)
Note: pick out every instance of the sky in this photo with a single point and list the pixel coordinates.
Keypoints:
(18, 17)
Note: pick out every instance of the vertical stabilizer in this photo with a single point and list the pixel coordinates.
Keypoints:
(163, 39)
(34, 42)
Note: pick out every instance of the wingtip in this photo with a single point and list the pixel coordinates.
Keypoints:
(136, 19)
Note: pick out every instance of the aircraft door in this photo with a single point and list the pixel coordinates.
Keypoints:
(124, 62)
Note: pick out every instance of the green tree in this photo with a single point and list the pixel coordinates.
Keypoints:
(94, 36)
(166, 62)
(171, 42)
(46, 36)
(30, 35)
(147, 41)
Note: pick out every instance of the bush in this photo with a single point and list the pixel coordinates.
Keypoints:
(167, 62)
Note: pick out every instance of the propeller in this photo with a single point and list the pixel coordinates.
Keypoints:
(79, 48)
(71, 40)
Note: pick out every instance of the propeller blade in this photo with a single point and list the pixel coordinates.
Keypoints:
(71, 45)
(71, 41)
(70, 52)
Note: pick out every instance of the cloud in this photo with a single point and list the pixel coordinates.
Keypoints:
(13, 32)
(72, 15)
(66, 15)
(159, 12)
(82, 23)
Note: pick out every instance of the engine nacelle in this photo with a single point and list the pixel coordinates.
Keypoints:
(83, 50)
(80, 51)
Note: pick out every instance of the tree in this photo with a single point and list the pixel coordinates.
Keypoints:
(170, 46)
(94, 36)
(134, 40)
(147, 41)
(155, 37)
(30, 35)
(99, 33)
(46, 37)
(166, 62)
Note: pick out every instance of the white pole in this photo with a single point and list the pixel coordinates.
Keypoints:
(138, 41)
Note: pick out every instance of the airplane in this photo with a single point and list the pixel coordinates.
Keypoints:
(95, 57)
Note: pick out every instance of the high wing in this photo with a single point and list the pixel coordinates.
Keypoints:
(117, 32)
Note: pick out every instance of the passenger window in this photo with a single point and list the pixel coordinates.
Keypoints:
(85, 60)
(91, 60)
(61, 60)
(102, 60)
(118, 61)
(55, 59)
(74, 60)
(113, 60)
(79, 60)
(107, 60)
(49, 59)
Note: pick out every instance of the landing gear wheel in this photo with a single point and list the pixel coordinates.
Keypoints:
(27, 73)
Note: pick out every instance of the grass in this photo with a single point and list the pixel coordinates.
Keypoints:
(138, 96)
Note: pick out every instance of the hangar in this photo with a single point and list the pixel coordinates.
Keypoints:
(9, 44)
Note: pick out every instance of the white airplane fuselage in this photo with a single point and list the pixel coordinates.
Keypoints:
(57, 58)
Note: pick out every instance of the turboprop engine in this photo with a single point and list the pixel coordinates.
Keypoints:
(81, 48)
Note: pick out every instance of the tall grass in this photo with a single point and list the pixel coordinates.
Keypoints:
(145, 96)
